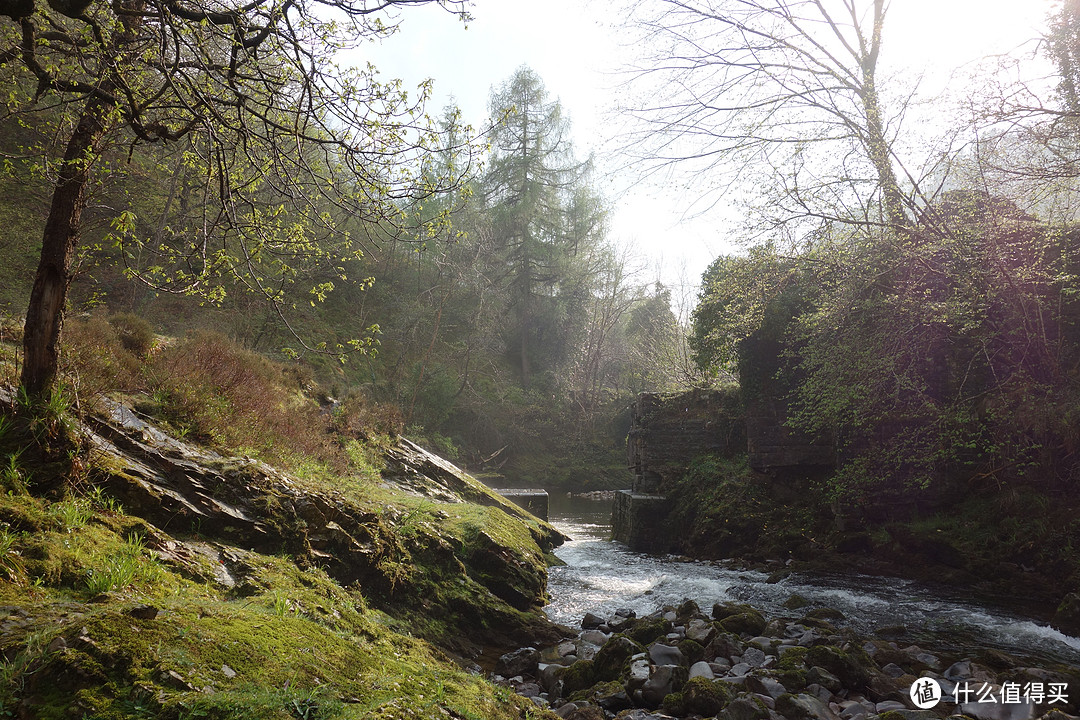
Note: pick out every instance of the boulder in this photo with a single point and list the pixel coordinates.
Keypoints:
(750, 622)
(744, 708)
(664, 680)
(765, 686)
(662, 654)
(800, 706)
(614, 657)
(591, 621)
(699, 697)
(518, 662)
(701, 669)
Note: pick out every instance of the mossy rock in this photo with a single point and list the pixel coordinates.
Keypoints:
(675, 704)
(598, 692)
(725, 644)
(687, 609)
(648, 630)
(793, 659)
(789, 706)
(579, 676)
(824, 613)
(793, 679)
(691, 650)
(612, 660)
(723, 610)
(796, 601)
(744, 707)
(700, 696)
(853, 667)
(751, 623)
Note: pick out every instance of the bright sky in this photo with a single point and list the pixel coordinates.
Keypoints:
(575, 46)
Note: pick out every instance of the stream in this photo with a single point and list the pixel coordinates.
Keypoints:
(600, 576)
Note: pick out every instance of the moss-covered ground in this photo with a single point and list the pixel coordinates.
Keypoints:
(109, 611)
(95, 623)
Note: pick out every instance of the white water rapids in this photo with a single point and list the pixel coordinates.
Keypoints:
(600, 576)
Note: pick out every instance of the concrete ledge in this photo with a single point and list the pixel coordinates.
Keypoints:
(535, 500)
(640, 521)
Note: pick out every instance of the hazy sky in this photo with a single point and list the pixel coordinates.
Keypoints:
(576, 48)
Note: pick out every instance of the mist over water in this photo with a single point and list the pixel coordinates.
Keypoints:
(601, 576)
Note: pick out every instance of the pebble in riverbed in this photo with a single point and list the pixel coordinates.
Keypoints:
(738, 665)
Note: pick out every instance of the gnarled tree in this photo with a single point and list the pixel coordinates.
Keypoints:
(270, 139)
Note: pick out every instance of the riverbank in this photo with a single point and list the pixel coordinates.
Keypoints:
(151, 577)
(614, 594)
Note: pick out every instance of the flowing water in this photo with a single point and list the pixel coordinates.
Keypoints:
(600, 576)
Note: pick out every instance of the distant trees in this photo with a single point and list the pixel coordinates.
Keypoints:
(265, 134)
(545, 219)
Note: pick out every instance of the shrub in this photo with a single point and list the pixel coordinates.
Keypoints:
(94, 358)
(135, 333)
(227, 396)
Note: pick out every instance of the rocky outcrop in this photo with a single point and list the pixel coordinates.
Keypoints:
(221, 507)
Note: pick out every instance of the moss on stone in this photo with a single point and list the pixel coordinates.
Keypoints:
(646, 631)
(750, 622)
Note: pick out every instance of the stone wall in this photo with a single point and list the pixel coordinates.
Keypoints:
(666, 431)
(640, 522)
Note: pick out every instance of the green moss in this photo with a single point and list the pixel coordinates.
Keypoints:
(691, 650)
(646, 632)
(852, 667)
(579, 676)
(704, 697)
(751, 622)
(613, 659)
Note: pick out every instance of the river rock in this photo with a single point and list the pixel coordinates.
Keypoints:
(701, 669)
(754, 657)
(888, 705)
(743, 708)
(700, 631)
(662, 654)
(851, 710)
(639, 673)
(740, 669)
(549, 677)
(893, 670)
(763, 643)
(591, 621)
(824, 678)
(664, 680)
(614, 656)
(750, 622)
(802, 705)
(518, 662)
(594, 637)
(764, 685)
(641, 714)
(586, 712)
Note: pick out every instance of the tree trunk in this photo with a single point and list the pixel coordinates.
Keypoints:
(45, 315)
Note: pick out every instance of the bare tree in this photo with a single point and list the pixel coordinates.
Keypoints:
(786, 87)
(269, 135)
